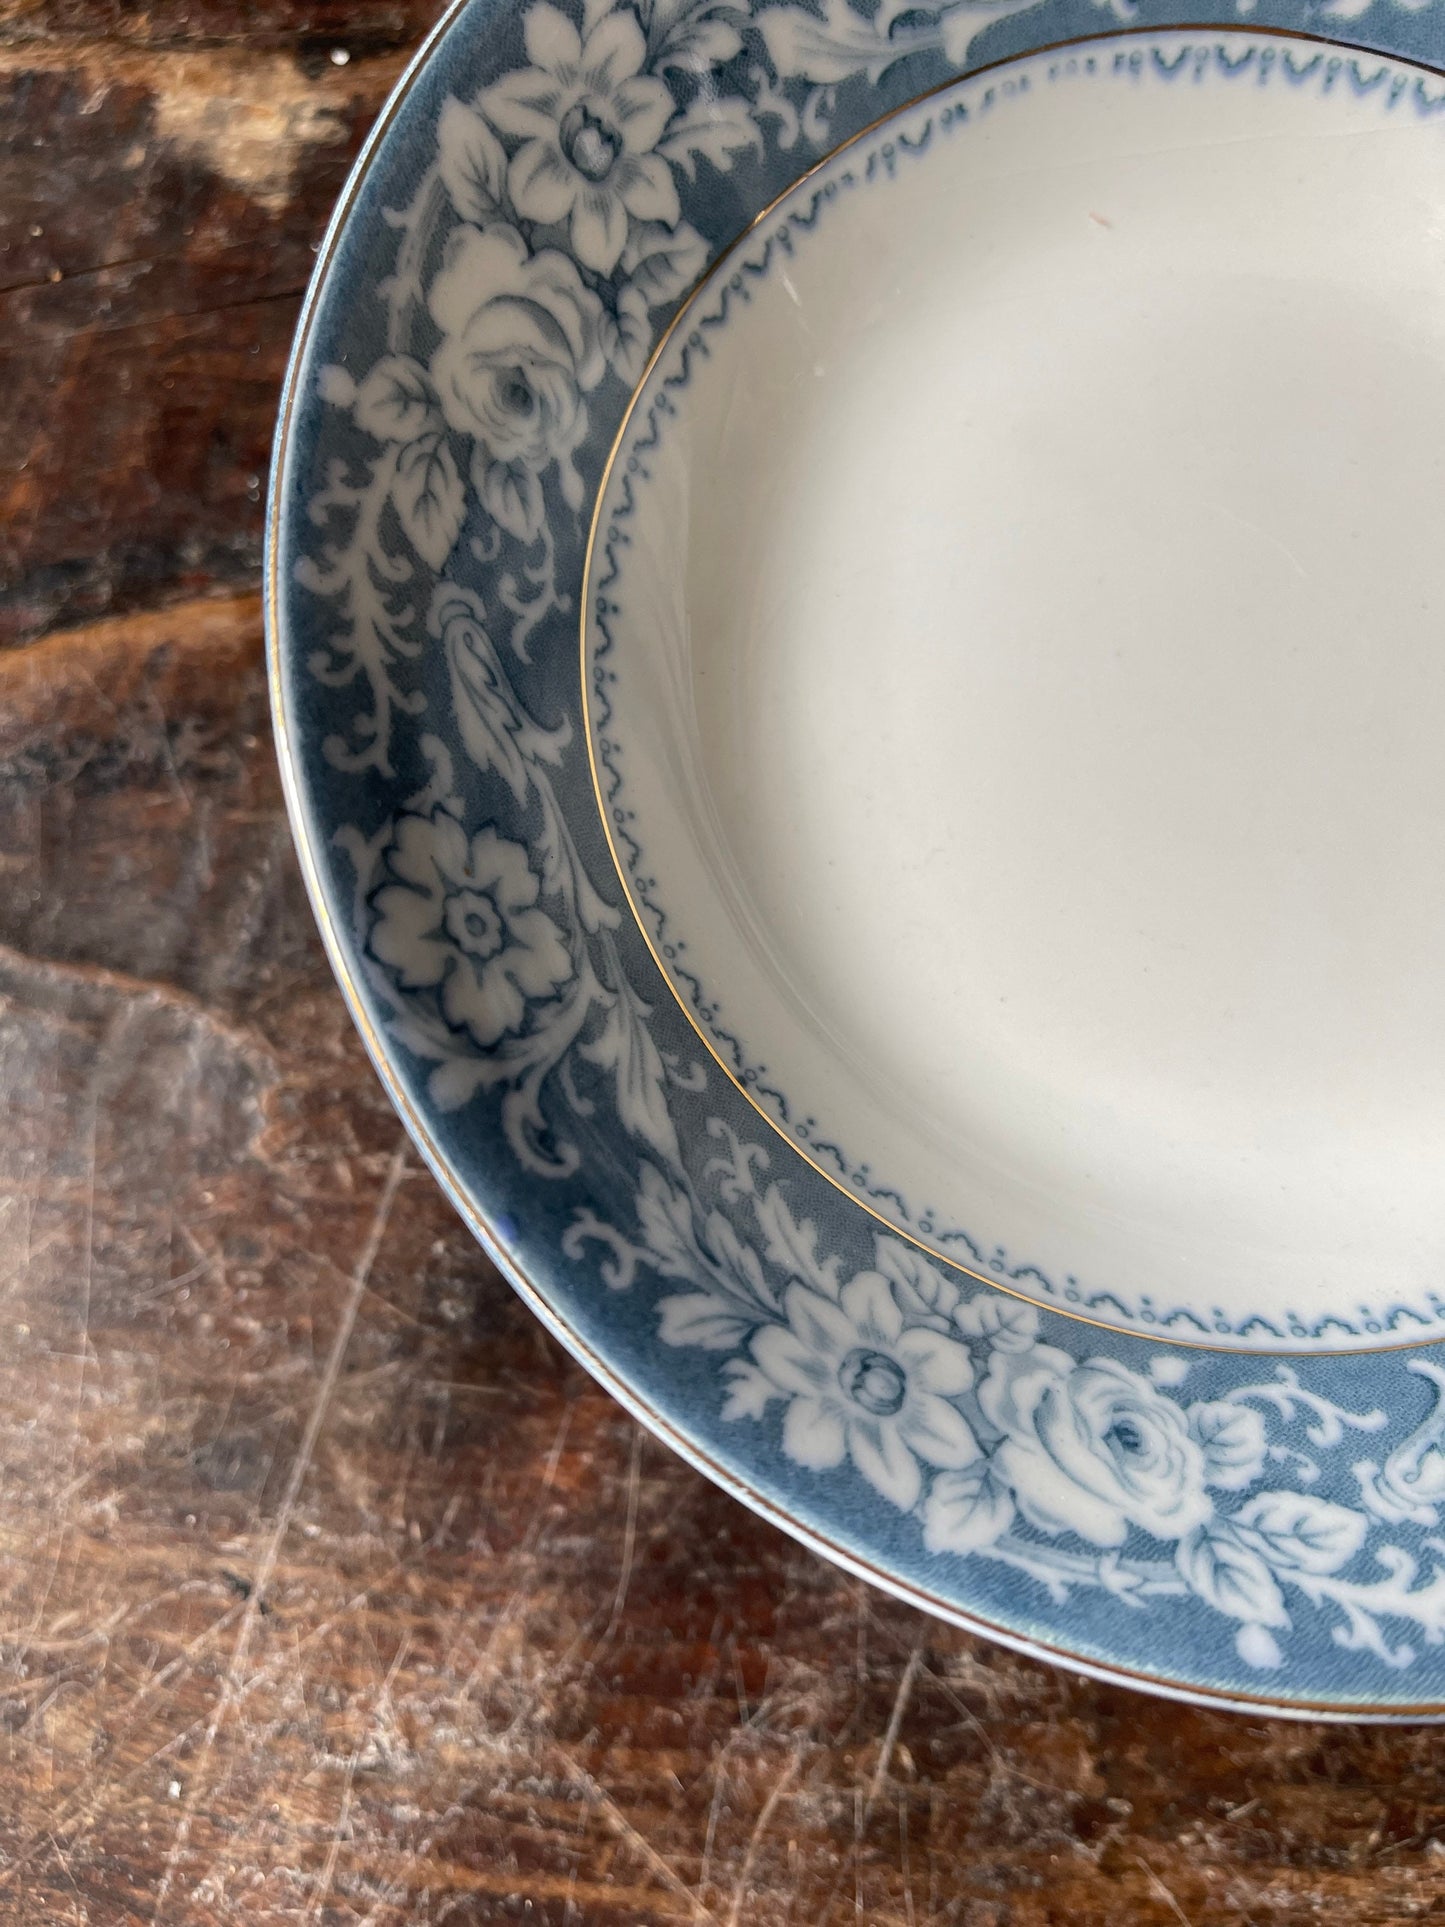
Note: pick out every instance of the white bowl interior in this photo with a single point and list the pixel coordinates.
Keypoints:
(1022, 665)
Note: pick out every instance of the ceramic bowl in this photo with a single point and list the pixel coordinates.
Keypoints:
(852, 605)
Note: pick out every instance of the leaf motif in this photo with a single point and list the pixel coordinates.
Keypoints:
(453, 1084)
(662, 262)
(1301, 1533)
(1008, 1324)
(738, 1259)
(1230, 1576)
(1258, 1648)
(335, 386)
(697, 1318)
(1232, 1439)
(749, 1390)
(669, 22)
(960, 25)
(497, 734)
(697, 44)
(664, 1215)
(429, 498)
(967, 1510)
(619, 1270)
(471, 161)
(921, 1289)
(828, 47)
(712, 129)
(627, 335)
(793, 1247)
(625, 1047)
(396, 402)
(512, 496)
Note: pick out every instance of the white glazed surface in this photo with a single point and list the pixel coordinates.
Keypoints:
(1028, 695)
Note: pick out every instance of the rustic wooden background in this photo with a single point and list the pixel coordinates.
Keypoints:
(330, 1591)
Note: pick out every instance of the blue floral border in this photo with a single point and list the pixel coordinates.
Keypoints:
(509, 253)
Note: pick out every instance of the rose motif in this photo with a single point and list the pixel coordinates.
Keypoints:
(460, 916)
(588, 119)
(1093, 1448)
(521, 344)
(862, 1385)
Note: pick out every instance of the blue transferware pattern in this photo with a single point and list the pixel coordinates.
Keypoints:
(549, 188)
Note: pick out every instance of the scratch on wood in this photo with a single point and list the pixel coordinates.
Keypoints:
(382, 1713)
(760, 1827)
(1158, 1887)
(895, 1722)
(484, 1664)
(554, 1454)
(719, 1786)
(629, 1534)
(73, 1480)
(608, 1809)
(739, 1683)
(976, 1725)
(903, 1860)
(231, 1685)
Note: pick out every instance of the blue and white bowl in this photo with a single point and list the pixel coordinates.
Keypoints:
(851, 597)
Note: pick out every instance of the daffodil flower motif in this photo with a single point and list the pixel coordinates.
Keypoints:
(864, 1386)
(460, 916)
(588, 120)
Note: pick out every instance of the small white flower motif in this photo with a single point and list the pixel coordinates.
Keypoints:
(588, 119)
(1093, 1448)
(862, 1385)
(460, 917)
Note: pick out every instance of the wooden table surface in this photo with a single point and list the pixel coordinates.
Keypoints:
(330, 1590)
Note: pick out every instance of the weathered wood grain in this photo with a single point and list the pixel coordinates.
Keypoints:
(330, 1592)
(369, 26)
(158, 220)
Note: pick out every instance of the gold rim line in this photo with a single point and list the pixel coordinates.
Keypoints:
(694, 295)
(730, 1480)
